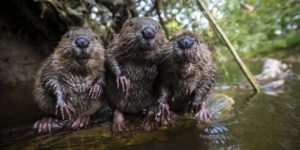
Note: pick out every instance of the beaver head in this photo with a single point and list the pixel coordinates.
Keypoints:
(188, 51)
(140, 36)
(79, 44)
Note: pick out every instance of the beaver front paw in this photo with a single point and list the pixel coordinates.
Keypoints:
(64, 108)
(96, 90)
(123, 82)
(152, 72)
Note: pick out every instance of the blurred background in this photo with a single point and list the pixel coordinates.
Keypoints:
(30, 29)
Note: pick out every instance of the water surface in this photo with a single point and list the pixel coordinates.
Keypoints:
(260, 122)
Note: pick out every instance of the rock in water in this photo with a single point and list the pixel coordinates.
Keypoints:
(220, 106)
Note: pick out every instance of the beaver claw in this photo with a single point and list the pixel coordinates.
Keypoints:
(46, 125)
(81, 122)
(118, 125)
(203, 115)
(152, 72)
(164, 116)
(95, 91)
(149, 122)
(64, 108)
(123, 82)
(196, 106)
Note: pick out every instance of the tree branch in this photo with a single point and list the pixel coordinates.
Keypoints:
(157, 8)
(237, 58)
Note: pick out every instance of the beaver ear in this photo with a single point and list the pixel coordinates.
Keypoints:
(67, 35)
(128, 23)
(200, 40)
(159, 26)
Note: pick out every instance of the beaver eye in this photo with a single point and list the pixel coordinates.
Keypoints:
(68, 35)
(200, 40)
(130, 24)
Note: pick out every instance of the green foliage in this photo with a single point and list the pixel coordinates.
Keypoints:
(256, 31)
(250, 32)
(271, 25)
(173, 27)
(253, 26)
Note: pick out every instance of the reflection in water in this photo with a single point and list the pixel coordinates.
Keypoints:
(215, 134)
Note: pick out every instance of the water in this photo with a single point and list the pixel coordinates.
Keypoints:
(260, 122)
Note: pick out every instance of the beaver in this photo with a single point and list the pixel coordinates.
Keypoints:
(69, 84)
(185, 78)
(133, 57)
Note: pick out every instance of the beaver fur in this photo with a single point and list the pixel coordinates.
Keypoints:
(70, 82)
(186, 76)
(133, 58)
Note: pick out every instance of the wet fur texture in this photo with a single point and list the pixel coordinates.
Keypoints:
(185, 76)
(71, 72)
(132, 56)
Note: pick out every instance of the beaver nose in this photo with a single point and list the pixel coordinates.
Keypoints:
(186, 42)
(148, 33)
(82, 42)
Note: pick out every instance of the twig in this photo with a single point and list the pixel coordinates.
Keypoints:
(160, 18)
(237, 58)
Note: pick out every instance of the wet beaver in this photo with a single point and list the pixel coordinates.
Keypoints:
(185, 78)
(133, 57)
(70, 82)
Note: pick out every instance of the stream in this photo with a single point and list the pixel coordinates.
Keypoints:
(259, 122)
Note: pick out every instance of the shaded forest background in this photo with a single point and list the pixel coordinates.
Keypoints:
(30, 29)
